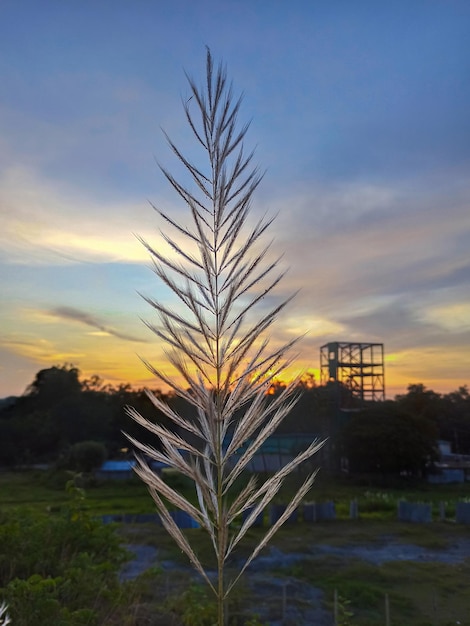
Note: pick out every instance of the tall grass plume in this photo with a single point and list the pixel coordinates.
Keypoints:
(219, 271)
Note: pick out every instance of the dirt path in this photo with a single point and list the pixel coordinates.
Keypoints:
(295, 600)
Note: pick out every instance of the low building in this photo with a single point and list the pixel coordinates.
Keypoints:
(450, 467)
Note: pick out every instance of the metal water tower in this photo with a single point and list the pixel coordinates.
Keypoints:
(357, 369)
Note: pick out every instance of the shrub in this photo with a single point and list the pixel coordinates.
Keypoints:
(59, 570)
(87, 456)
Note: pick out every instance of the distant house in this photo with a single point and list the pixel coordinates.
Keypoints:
(277, 451)
(123, 469)
(116, 470)
(450, 467)
(274, 453)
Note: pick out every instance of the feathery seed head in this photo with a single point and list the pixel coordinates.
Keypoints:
(218, 272)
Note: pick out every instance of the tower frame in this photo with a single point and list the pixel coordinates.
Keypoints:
(358, 367)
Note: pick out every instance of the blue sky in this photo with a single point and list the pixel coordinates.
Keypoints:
(359, 114)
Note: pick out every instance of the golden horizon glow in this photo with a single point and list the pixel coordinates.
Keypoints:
(122, 367)
(374, 223)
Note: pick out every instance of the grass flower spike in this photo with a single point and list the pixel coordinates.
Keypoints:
(4, 619)
(219, 272)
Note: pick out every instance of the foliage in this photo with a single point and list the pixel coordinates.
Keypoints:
(218, 346)
(420, 401)
(409, 585)
(87, 456)
(343, 611)
(386, 440)
(378, 502)
(195, 606)
(59, 570)
(60, 409)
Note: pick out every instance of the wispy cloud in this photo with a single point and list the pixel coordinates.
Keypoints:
(49, 223)
(417, 239)
(77, 315)
(40, 351)
(367, 164)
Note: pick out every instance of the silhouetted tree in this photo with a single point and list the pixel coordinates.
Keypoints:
(387, 440)
(55, 383)
(420, 401)
(87, 456)
(454, 420)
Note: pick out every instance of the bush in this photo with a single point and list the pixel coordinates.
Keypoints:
(195, 607)
(60, 570)
(87, 456)
(378, 502)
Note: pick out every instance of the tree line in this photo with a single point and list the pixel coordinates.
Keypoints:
(59, 409)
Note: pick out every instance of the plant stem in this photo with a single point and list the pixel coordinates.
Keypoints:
(218, 413)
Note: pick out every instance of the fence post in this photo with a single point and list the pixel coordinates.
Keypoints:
(335, 608)
(442, 511)
(387, 610)
(284, 601)
(462, 512)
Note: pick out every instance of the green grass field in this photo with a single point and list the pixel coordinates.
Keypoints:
(41, 490)
(420, 593)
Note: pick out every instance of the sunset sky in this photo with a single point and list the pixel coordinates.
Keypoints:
(360, 116)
